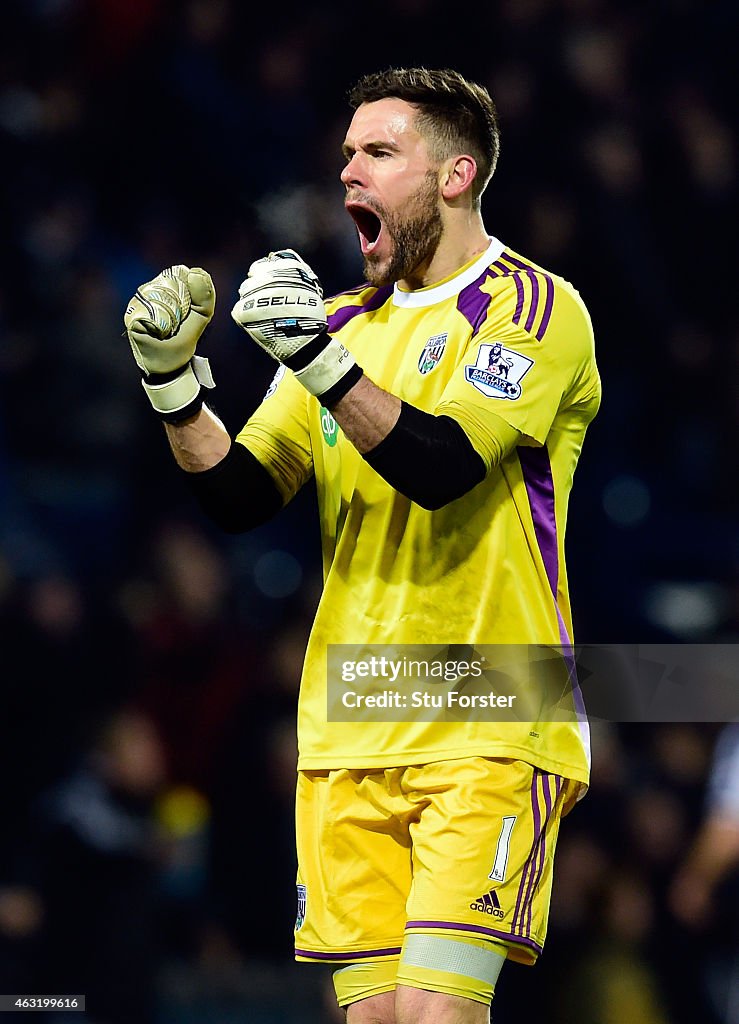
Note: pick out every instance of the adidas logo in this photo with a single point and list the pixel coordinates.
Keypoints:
(488, 904)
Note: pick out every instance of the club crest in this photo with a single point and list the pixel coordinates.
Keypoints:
(432, 352)
(498, 371)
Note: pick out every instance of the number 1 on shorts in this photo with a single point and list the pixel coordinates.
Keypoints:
(501, 851)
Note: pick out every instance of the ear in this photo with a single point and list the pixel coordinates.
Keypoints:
(457, 176)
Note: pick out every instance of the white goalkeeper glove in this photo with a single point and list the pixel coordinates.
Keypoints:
(280, 306)
(164, 321)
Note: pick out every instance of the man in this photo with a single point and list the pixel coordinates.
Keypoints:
(425, 847)
(703, 893)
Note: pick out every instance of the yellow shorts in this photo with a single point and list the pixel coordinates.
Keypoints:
(461, 849)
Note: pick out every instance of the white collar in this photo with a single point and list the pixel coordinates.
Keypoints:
(445, 290)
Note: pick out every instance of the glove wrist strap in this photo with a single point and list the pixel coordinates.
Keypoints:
(325, 374)
(179, 397)
(331, 397)
(302, 359)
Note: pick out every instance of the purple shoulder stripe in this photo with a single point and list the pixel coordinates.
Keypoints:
(548, 304)
(473, 302)
(534, 302)
(519, 298)
(342, 316)
(533, 274)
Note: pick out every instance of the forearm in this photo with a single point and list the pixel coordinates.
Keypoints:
(366, 414)
(427, 458)
(231, 486)
(198, 443)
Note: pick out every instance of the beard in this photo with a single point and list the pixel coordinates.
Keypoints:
(414, 235)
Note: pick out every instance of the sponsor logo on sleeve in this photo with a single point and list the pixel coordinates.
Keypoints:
(432, 352)
(498, 371)
(329, 428)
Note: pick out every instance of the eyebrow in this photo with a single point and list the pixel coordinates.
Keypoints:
(349, 151)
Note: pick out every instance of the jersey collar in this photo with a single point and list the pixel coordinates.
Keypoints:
(453, 285)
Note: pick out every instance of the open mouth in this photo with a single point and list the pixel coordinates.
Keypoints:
(369, 226)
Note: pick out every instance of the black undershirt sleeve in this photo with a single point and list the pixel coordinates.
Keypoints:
(427, 458)
(237, 493)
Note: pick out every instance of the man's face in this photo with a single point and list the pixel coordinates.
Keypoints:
(392, 191)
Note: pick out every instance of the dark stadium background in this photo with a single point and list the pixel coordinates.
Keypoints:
(149, 664)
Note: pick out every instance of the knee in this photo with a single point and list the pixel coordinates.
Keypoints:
(378, 1009)
(419, 1006)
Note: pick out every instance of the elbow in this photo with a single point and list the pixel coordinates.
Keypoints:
(432, 503)
(238, 494)
(428, 459)
(434, 498)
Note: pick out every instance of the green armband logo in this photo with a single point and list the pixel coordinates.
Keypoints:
(329, 428)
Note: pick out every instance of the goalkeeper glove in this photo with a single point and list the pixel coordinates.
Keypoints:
(280, 306)
(164, 321)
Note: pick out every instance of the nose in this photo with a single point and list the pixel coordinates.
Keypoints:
(352, 174)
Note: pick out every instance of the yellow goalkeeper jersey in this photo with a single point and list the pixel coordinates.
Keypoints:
(500, 338)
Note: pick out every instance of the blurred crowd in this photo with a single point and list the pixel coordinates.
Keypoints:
(151, 664)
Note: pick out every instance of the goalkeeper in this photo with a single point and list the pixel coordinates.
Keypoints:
(441, 407)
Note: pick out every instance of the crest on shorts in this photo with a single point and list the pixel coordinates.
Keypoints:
(302, 903)
(432, 352)
(498, 371)
(280, 373)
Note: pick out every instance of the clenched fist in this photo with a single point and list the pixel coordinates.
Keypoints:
(164, 321)
(280, 306)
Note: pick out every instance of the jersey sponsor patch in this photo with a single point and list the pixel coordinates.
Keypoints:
(302, 892)
(498, 371)
(275, 381)
(329, 428)
(432, 352)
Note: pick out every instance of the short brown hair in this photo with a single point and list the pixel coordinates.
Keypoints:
(454, 114)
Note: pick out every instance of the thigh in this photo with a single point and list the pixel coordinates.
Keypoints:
(483, 851)
(354, 865)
